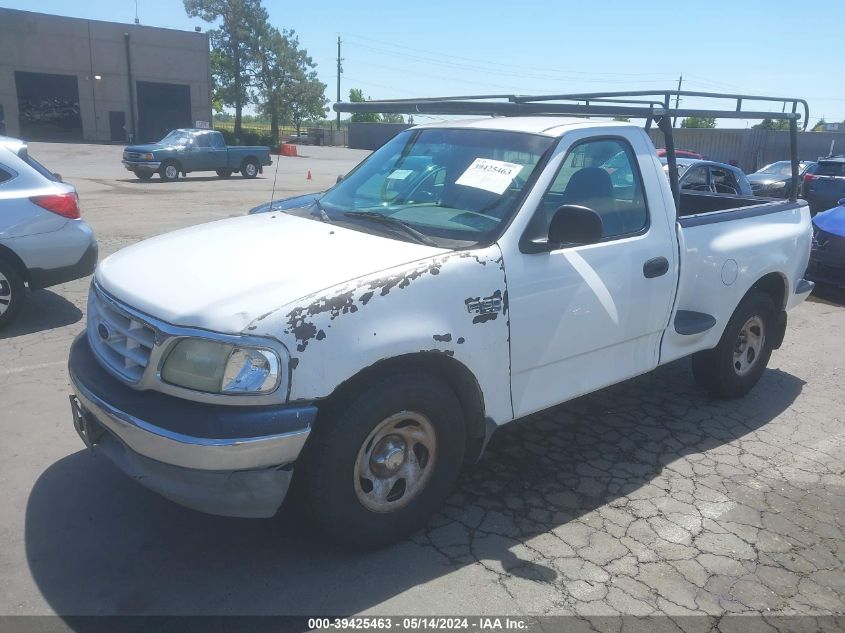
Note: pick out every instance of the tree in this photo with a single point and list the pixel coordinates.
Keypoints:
(278, 70)
(392, 117)
(769, 124)
(819, 126)
(356, 95)
(622, 119)
(234, 47)
(699, 122)
(307, 100)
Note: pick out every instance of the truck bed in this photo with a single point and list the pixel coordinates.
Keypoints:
(726, 244)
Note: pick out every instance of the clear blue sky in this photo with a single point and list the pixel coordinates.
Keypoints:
(401, 49)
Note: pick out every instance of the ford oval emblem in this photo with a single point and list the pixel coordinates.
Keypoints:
(103, 331)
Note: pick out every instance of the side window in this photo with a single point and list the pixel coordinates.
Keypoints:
(604, 176)
(724, 181)
(217, 140)
(202, 140)
(695, 179)
(5, 174)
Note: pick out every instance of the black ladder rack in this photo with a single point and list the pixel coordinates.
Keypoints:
(651, 105)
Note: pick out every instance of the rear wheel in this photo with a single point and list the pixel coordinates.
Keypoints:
(169, 170)
(249, 168)
(734, 366)
(224, 173)
(144, 175)
(382, 461)
(12, 292)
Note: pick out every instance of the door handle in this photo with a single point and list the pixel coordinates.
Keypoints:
(655, 267)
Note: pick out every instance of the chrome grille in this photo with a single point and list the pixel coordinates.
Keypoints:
(131, 156)
(122, 342)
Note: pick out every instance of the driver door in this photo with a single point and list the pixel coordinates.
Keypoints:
(583, 317)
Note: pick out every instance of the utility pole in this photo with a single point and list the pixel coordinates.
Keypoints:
(678, 98)
(339, 71)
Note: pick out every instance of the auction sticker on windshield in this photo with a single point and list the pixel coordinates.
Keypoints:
(400, 174)
(490, 175)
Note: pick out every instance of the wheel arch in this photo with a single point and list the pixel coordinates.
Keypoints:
(453, 372)
(774, 285)
(8, 255)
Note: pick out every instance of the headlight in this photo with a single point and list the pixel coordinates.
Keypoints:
(148, 156)
(780, 184)
(215, 367)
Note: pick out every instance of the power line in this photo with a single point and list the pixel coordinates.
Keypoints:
(496, 64)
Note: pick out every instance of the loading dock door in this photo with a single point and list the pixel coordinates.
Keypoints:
(48, 106)
(161, 108)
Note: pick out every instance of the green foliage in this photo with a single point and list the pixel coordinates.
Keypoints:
(392, 117)
(819, 126)
(234, 44)
(248, 137)
(699, 122)
(356, 95)
(770, 124)
(622, 119)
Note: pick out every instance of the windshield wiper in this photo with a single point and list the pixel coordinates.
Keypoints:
(422, 238)
(321, 212)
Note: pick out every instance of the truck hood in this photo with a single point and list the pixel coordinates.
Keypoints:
(143, 149)
(223, 275)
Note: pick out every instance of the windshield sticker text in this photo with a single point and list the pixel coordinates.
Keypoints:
(490, 175)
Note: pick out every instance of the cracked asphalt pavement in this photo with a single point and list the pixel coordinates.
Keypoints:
(646, 498)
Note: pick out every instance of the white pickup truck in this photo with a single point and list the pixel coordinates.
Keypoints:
(465, 275)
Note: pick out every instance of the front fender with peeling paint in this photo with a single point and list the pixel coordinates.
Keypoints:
(454, 303)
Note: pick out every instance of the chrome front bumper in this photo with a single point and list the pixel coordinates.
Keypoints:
(145, 166)
(218, 472)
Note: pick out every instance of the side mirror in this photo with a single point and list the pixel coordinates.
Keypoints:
(576, 225)
(339, 178)
(57, 176)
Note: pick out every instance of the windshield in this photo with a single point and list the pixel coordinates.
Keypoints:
(176, 137)
(682, 167)
(780, 168)
(452, 185)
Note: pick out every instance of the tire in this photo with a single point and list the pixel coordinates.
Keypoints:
(169, 170)
(144, 175)
(12, 293)
(224, 173)
(346, 496)
(733, 367)
(249, 168)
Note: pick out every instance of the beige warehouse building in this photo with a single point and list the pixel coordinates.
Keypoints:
(72, 79)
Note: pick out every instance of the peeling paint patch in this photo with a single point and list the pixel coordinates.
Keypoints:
(443, 338)
(448, 352)
(365, 298)
(461, 340)
(486, 308)
(294, 362)
(320, 335)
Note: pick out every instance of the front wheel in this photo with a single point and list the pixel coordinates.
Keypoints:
(144, 175)
(12, 292)
(169, 171)
(733, 367)
(249, 168)
(382, 461)
(224, 173)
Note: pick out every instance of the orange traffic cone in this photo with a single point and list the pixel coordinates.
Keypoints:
(309, 175)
